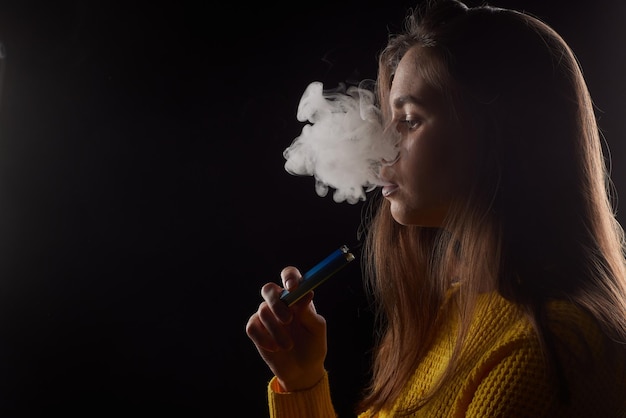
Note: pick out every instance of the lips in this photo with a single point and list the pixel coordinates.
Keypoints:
(389, 189)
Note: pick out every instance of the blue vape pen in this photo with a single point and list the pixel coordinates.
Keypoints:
(319, 274)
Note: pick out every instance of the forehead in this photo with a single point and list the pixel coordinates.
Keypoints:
(417, 77)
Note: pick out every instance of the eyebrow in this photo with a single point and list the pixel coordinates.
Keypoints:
(398, 102)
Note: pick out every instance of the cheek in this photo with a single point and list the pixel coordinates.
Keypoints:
(426, 162)
(435, 169)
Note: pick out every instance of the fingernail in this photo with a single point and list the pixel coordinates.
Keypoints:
(289, 284)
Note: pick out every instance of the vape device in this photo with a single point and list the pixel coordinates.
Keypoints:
(319, 274)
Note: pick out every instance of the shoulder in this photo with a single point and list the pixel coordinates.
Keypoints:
(501, 321)
(571, 335)
(570, 329)
(515, 362)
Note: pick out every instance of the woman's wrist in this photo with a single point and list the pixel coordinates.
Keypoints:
(306, 383)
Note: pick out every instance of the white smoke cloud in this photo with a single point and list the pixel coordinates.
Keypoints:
(344, 145)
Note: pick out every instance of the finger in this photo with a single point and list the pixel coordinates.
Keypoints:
(259, 335)
(271, 293)
(274, 327)
(291, 277)
(303, 302)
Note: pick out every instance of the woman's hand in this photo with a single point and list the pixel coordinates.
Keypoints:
(291, 340)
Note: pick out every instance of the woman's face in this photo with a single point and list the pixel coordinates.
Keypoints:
(434, 152)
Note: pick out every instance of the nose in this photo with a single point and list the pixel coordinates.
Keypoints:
(386, 162)
(385, 173)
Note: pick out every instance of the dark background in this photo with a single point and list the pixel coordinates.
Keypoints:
(143, 199)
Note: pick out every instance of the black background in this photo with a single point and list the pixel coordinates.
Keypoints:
(143, 199)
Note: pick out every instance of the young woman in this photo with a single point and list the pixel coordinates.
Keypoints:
(494, 257)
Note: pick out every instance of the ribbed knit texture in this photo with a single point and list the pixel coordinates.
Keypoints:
(503, 375)
(312, 403)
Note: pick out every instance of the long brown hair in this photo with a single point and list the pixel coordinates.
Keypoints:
(538, 223)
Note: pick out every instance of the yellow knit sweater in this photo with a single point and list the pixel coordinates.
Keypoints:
(503, 374)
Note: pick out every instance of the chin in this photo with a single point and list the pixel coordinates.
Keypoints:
(426, 219)
(403, 218)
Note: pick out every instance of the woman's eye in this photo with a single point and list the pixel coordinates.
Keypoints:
(408, 124)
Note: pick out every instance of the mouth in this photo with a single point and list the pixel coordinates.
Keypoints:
(389, 189)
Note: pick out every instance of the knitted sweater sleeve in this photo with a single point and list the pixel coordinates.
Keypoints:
(312, 403)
